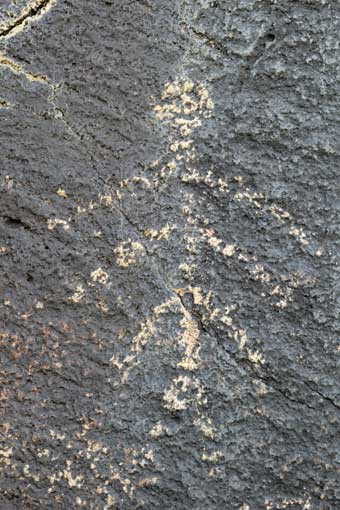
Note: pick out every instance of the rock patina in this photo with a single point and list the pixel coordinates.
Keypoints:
(169, 247)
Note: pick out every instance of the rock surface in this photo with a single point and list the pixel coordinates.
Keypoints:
(169, 222)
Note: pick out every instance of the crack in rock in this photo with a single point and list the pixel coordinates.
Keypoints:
(17, 68)
(33, 11)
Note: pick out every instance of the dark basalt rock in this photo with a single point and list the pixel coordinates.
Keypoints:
(169, 250)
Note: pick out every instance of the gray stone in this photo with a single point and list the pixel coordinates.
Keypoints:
(169, 246)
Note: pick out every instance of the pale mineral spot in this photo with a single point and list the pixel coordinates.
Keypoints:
(190, 340)
(148, 329)
(106, 200)
(73, 481)
(52, 224)
(172, 401)
(213, 472)
(212, 457)
(110, 502)
(6, 452)
(229, 250)
(280, 213)
(142, 181)
(129, 253)
(172, 165)
(218, 245)
(205, 425)
(43, 453)
(241, 336)
(174, 397)
(196, 293)
(255, 357)
(181, 145)
(116, 363)
(252, 197)
(305, 504)
(142, 457)
(6, 426)
(100, 276)
(61, 193)
(158, 430)
(214, 242)
(261, 388)
(188, 269)
(260, 273)
(56, 435)
(208, 179)
(86, 208)
(161, 234)
(300, 235)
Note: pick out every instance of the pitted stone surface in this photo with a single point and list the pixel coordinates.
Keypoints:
(169, 246)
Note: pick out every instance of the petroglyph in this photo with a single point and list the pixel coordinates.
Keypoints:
(168, 312)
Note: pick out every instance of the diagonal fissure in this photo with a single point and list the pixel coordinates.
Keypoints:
(34, 11)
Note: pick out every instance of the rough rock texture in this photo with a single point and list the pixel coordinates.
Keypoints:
(169, 222)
